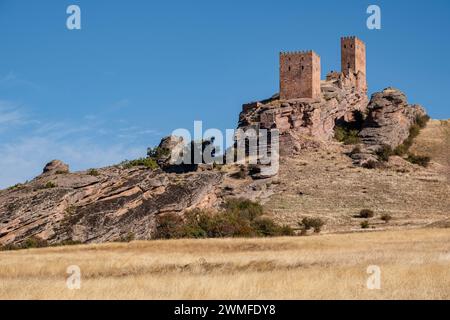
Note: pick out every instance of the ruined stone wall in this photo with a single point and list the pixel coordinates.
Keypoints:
(299, 75)
(353, 60)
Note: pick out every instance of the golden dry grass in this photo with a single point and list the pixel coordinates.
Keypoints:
(414, 264)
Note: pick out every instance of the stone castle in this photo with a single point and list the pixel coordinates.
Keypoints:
(307, 105)
(300, 71)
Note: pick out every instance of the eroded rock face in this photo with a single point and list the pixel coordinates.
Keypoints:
(56, 166)
(106, 206)
(388, 122)
(389, 118)
(306, 117)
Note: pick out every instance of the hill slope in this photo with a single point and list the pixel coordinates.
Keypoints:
(324, 183)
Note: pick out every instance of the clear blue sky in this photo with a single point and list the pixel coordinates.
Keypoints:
(139, 69)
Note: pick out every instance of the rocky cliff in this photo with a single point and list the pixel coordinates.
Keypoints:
(98, 205)
(300, 119)
(388, 123)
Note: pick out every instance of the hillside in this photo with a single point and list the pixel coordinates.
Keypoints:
(414, 264)
(318, 177)
(324, 183)
(434, 141)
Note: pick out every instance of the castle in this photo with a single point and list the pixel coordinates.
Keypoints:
(300, 71)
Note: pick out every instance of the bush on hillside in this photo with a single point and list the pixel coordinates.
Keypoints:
(366, 213)
(238, 218)
(312, 223)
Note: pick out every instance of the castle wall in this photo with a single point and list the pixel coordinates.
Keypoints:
(299, 75)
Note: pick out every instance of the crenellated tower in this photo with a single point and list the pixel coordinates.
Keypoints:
(299, 75)
(353, 60)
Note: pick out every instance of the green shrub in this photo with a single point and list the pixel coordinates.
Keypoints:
(93, 172)
(423, 161)
(145, 162)
(372, 164)
(33, 242)
(366, 213)
(312, 223)
(157, 153)
(347, 136)
(421, 121)
(384, 153)
(414, 131)
(386, 217)
(286, 230)
(352, 137)
(238, 218)
(365, 224)
(340, 133)
(401, 150)
(244, 208)
(16, 186)
(50, 185)
(266, 227)
(168, 226)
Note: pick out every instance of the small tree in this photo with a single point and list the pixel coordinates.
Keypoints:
(365, 224)
(312, 223)
(386, 217)
(366, 213)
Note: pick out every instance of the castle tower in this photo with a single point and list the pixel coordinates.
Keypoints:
(299, 75)
(353, 60)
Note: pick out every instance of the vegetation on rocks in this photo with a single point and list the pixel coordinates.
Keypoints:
(402, 150)
(145, 162)
(348, 132)
(93, 172)
(50, 185)
(237, 218)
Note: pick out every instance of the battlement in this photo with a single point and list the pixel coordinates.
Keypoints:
(293, 53)
(300, 70)
(350, 38)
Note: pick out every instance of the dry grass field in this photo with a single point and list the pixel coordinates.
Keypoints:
(414, 264)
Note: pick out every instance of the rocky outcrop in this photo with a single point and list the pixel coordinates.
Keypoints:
(301, 118)
(389, 118)
(56, 166)
(388, 123)
(101, 205)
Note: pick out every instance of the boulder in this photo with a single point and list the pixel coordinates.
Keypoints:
(55, 166)
(389, 118)
(388, 122)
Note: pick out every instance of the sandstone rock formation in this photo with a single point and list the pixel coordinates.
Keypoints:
(388, 122)
(56, 166)
(299, 119)
(389, 118)
(97, 206)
